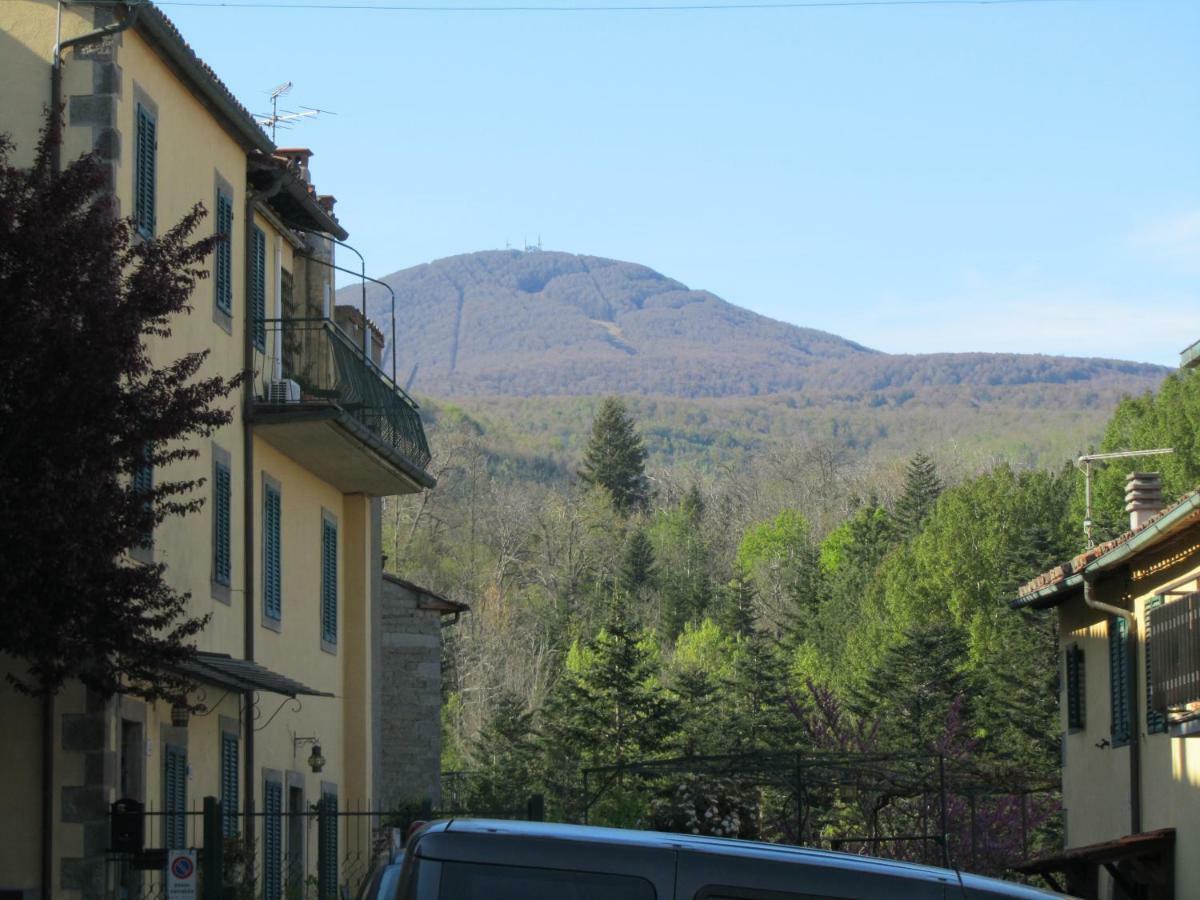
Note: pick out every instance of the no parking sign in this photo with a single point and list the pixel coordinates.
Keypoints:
(181, 875)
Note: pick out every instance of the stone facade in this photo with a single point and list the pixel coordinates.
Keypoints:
(410, 695)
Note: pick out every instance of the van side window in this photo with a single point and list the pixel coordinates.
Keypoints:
(469, 881)
(710, 892)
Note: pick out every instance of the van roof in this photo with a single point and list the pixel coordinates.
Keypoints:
(723, 847)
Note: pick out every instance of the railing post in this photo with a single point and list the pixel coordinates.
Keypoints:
(213, 863)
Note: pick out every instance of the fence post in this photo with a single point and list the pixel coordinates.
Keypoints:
(942, 793)
(535, 809)
(325, 819)
(213, 864)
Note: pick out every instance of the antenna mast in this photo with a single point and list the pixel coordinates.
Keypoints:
(285, 118)
(1085, 463)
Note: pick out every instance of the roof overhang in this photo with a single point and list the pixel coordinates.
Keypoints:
(290, 198)
(429, 600)
(1132, 846)
(225, 671)
(158, 31)
(1183, 514)
(1189, 357)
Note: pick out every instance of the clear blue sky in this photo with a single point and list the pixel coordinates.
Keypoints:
(919, 179)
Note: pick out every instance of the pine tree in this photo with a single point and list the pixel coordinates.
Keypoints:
(637, 571)
(503, 755)
(615, 457)
(922, 486)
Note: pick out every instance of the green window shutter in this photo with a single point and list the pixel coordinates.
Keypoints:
(272, 841)
(1075, 696)
(258, 269)
(1118, 676)
(222, 534)
(145, 150)
(327, 849)
(229, 785)
(1156, 722)
(175, 797)
(143, 484)
(272, 554)
(225, 253)
(329, 587)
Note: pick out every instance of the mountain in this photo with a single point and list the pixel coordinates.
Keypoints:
(513, 323)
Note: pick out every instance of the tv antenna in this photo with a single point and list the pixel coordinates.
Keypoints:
(287, 117)
(1086, 462)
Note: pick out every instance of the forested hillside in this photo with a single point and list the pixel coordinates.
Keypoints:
(806, 601)
(509, 323)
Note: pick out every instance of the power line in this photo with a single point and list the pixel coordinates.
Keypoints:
(685, 7)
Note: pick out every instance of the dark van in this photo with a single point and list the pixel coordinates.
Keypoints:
(478, 859)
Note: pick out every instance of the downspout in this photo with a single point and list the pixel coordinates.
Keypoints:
(1135, 720)
(56, 74)
(248, 493)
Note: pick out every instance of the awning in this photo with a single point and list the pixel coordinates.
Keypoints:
(224, 671)
(1146, 858)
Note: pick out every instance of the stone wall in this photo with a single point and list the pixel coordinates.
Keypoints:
(410, 697)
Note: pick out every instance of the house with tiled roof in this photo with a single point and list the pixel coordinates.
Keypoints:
(1129, 631)
(284, 558)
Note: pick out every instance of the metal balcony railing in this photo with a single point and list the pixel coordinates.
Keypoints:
(313, 361)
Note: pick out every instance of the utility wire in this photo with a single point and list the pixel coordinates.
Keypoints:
(684, 7)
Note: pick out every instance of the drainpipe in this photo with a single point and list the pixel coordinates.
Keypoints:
(56, 73)
(248, 493)
(1135, 719)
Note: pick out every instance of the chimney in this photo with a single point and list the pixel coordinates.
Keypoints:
(297, 158)
(1143, 497)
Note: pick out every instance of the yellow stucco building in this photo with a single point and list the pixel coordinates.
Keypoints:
(1129, 632)
(285, 554)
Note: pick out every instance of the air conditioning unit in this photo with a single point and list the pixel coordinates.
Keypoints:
(285, 391)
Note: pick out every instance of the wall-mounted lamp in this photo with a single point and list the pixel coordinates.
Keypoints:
(316, 761)
(180, 715)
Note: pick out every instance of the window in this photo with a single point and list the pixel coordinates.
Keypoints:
(224, 253)
(327, 846)
(1075, 702)
(329, 579)
(726, 893)
(258, 285)
(143, 484)
(175, 797)
(229, 784)
(272, 840)
(222, 536)
(470, 881)
(1118, 677)
(1156, 722)
(145, 150)
(272, 552)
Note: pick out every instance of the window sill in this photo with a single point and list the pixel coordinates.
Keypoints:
(222, 592)
(329, 647)
(270, 624)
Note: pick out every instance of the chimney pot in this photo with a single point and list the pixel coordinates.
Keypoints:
(1143, 497)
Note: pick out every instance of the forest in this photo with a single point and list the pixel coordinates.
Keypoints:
(813, 645)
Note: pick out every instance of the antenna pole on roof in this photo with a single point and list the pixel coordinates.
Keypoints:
(1085, 463)
(284, 119)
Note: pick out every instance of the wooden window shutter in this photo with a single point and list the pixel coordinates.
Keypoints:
(175, 797)
(327, 874)
(329, 575)
(1118, 675)
(272, 554)
(1156, 722)
(222, 515)
(272, 841)
(225, 253)
(258, 267)
(144, 164)
(1075, 695)
(229, 785)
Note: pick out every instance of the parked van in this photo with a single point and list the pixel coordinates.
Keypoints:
(480, 859)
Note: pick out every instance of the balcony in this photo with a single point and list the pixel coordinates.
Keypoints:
(326, 404)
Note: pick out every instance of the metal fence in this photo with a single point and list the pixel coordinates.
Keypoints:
(319, 853)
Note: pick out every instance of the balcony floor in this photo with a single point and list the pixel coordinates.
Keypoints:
(339, 449)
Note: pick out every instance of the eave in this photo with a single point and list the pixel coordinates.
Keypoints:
(1171, 521)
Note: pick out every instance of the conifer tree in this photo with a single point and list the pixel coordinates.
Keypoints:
(503, 755)
(637, 571)
(615, 457)
(922, 486)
